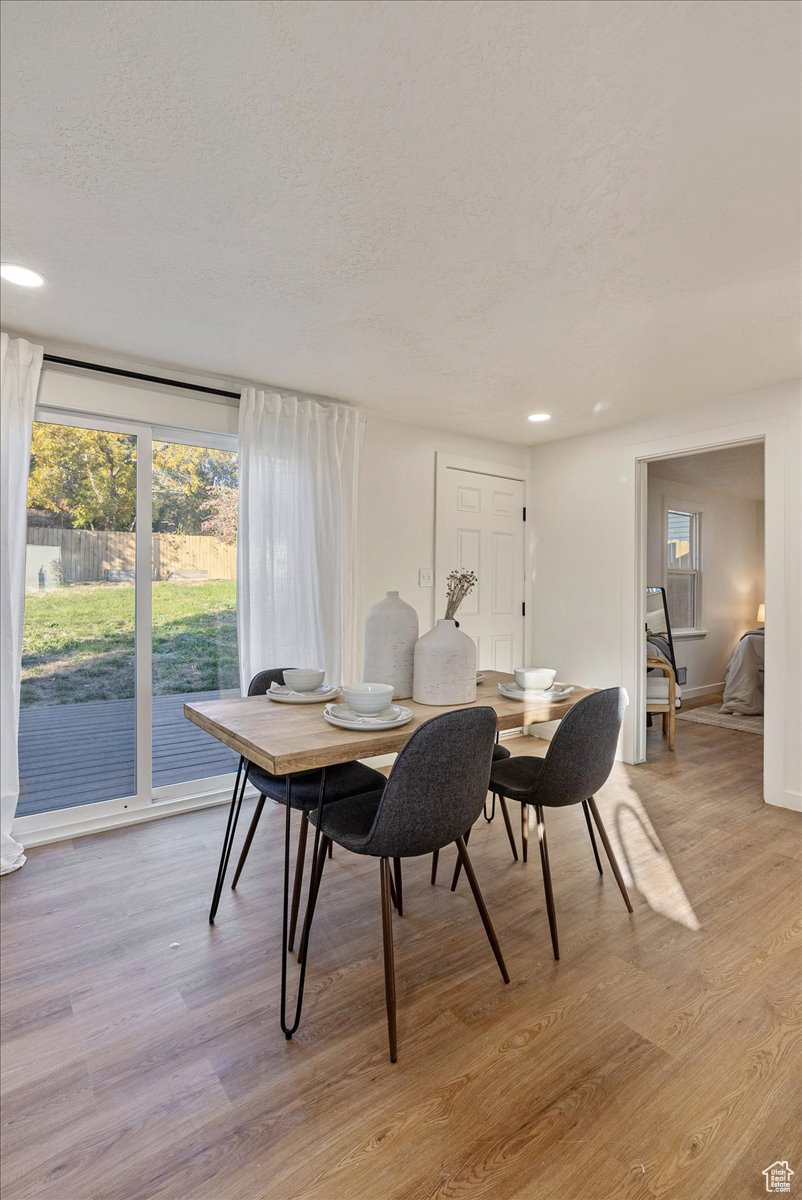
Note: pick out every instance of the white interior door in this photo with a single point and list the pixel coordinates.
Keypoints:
(481, 529)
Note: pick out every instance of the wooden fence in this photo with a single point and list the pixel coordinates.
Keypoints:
(89, 556)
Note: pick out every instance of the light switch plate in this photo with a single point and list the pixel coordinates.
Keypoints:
(425, 577)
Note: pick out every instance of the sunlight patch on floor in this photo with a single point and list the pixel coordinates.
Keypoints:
(645, 865)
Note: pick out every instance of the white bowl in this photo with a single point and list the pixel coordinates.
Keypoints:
(304, 679)
(368, 698)
(531, 679)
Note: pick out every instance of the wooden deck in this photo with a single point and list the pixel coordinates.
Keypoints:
(82, 753)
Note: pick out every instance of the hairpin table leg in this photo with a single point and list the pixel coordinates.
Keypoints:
(228, 838)
(289, 1030)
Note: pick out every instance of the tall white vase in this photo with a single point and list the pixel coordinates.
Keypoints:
(391, 631)
(445, 666)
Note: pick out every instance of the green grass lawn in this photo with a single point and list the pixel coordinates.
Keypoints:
(79, 641)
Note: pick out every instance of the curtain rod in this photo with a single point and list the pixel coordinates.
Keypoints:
(178, 383)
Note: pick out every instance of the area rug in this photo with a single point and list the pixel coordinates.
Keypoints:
(709, 715)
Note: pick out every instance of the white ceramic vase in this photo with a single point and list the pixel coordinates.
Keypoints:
(445, 666)
(391, 631)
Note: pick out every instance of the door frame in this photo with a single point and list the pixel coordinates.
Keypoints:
(445, 462)
(770, 432)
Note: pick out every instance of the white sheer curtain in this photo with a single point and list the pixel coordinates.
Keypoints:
(297, 541)
(20, 366)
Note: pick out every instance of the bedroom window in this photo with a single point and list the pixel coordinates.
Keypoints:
(683, 583)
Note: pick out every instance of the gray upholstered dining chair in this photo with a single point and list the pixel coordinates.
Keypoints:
(499, 754)
(578, 762)
(345, 779)
(435, 792)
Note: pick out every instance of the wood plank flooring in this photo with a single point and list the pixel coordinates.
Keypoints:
(142, 1057)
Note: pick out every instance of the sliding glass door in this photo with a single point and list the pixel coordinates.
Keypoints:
(78, 724)
(130, 610)
(194, 644)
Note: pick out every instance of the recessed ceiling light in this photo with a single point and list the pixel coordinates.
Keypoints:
(539, 417)
(23, 276)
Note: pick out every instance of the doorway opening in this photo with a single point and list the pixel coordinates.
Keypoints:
(703, 609)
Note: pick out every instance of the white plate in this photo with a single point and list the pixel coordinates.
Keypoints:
(552, 695)
(480, 677)
(345, 718)
(285, 695)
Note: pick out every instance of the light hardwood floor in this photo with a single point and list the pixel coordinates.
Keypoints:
(142, 1056)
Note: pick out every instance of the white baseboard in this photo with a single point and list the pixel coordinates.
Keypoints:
(788, 799)
(701, 691)
(377, 761)
(545, 730)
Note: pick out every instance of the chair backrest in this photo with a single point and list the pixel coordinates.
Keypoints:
(438, 785)
(580, 756)
(262, 680)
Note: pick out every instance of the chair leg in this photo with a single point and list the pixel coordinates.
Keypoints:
(592, 838)
(399, 893)
(458, 863)
(525, 831)
(672, 729)
(300, 858)
(608, 850)
(246, 845)
(544, 862)
(389, 961)
(505, 812)
(492, 809)
(228, 838)
(435, 859)
(311, 901)
(480, 904)
(331, 849)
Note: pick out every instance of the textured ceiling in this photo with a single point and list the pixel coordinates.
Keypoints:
(457, 213)
(737, 470)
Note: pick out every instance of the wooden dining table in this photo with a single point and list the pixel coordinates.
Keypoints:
(285, 739)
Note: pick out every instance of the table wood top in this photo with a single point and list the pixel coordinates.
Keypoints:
(284, 738)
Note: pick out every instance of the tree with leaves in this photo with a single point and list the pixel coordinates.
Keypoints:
(86, 479)
(222, 513)
(186, 483)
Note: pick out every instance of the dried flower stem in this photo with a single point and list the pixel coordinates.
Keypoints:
(458, 585)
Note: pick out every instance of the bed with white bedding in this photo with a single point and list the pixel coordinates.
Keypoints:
(743, 679)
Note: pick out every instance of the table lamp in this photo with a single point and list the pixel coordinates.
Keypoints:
(761, 614)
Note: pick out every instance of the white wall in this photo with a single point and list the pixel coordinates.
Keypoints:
(585, 517)
(397, 510)
(731, 578)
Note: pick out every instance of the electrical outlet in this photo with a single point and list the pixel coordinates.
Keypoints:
(425, 577)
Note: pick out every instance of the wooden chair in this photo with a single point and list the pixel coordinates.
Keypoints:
(667, 707)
